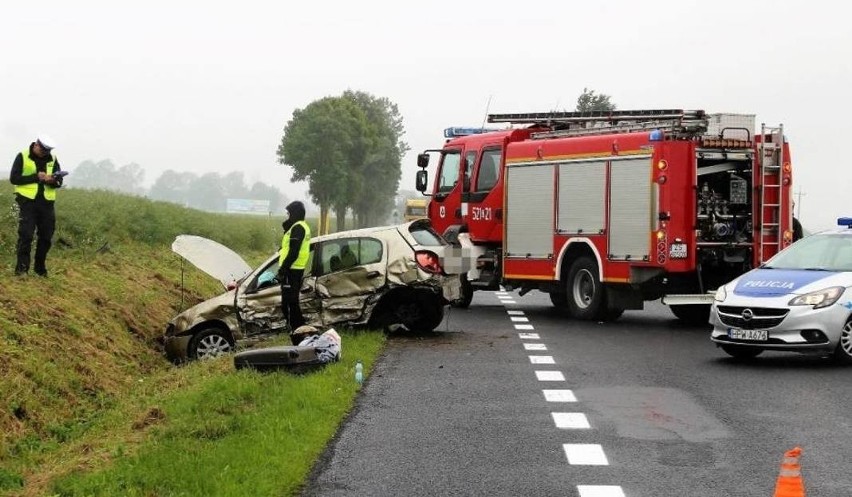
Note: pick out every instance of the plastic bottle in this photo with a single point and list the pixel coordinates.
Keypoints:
(359, 373)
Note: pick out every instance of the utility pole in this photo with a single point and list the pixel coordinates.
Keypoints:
(799, 202)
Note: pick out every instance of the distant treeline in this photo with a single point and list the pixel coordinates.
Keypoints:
(208, 192)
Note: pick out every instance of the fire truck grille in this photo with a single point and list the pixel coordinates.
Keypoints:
(751, 318)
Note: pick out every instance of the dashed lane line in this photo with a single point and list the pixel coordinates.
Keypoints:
(577, 454)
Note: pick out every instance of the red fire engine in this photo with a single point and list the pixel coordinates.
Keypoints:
(606, 210)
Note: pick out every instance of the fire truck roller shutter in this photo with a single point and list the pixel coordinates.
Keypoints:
(630, 220)
(529, 211)
(582, 197)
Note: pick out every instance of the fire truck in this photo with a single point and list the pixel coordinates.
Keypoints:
(607, 210)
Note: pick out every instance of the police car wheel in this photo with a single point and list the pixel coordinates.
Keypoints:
(843, 352)
(740, 352)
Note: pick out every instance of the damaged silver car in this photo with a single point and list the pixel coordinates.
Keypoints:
(376, 277)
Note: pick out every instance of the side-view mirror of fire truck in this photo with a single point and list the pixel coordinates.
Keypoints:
(423, 160)
(422, 179)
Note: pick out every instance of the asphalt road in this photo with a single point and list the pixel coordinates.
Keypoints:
(646, 407)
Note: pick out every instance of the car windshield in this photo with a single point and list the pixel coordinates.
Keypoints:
(828, 252)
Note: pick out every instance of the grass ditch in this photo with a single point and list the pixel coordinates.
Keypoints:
(88, 403)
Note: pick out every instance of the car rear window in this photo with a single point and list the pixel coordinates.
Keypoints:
(425, 235)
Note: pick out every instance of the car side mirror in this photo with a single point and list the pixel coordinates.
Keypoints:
(422, 180)
(423, 161)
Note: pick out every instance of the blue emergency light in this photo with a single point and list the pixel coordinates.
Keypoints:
(458, 131)
(845, 221)
(656, 136)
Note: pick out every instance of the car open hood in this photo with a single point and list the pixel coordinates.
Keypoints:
(211, 257)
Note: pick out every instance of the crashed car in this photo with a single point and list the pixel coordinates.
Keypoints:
(798, 301)
(376, 277)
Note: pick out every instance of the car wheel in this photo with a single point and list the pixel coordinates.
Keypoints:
(740, 352)
(421, 315)
(692, 314)
(466, 294)
(210, 343)
(586, 299)
(843, 352)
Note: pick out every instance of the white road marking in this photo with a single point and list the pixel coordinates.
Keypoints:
(570, 420)
(550, 376)
(527, 336)
(519, 319)
(542, 359)
(515, 313)
(535, 346)
(508, 301)
(525, 327)
(600, 491)
(585, 454)
(559, 396)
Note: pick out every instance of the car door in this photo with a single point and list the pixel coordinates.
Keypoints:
(348, 272)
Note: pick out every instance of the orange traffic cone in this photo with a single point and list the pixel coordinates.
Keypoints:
(790, 478)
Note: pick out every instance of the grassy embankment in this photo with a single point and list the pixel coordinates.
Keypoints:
(88, 404)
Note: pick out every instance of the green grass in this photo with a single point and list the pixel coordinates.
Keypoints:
(88, 403)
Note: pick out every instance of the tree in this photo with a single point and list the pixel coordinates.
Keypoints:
(590, 101)
(102, 175)
(173, 186)
(324, 143)
(372, 198)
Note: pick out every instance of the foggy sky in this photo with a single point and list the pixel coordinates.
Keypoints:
(209, 86)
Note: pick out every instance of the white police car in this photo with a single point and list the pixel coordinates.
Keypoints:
(798, 301)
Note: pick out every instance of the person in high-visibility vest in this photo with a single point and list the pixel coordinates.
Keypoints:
(36, 176)
(292, 261)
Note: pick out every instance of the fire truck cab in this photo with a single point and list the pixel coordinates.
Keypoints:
(606, 210)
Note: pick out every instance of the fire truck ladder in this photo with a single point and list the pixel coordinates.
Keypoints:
(680, 122)
(771, 151)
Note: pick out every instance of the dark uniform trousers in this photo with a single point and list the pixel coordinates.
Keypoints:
(35, 216)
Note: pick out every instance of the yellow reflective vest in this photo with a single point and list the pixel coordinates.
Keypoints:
(30, 190)
(304, 249)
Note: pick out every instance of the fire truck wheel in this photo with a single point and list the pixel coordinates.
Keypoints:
(586, 299)
(559, 299)
(466, 294)
(692, 314)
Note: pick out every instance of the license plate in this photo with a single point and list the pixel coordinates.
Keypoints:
(755, 335)
(677, 251)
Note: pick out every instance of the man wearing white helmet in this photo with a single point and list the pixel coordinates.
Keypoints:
(36, 176)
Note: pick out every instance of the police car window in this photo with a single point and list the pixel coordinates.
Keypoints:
(449, 171)
(489, 170)
(828, 252)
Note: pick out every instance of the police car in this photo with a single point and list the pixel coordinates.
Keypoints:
(798, 301)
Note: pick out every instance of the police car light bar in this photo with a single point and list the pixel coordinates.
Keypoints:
(845, 221)
(457, 131)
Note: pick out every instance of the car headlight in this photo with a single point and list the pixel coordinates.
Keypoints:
(820, 298)
(721, 294)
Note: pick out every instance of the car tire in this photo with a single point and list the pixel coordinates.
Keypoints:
(843, 352)
(585, 295)
(209, 343)
(692, 314)
(422, 315)
(740, 352)
(466, 294)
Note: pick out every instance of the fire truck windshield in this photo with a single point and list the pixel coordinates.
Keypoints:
(449, 171)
